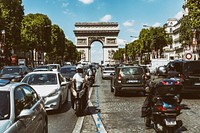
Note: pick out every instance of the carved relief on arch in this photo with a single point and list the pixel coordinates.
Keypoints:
(92, 39)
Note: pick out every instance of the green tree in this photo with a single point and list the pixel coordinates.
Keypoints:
(36, 33)
(58, 47)
(11, 15)
(119, 54)
(159, 39)
(71, 53)
(194, 13)
(185, 31)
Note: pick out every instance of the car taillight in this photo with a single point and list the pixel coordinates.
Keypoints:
(177, 83)
(164, 83)
(119, 77)
(181, 76)
(160, 108)
(178, 108)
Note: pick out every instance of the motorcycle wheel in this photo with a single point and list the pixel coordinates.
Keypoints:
(147, 121)
(77, 107)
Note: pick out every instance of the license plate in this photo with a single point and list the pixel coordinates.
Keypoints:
(132, 81)
(196, 83)
(170, 122)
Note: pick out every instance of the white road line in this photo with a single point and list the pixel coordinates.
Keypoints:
(97, 121)
(78, 125)
(79, 122)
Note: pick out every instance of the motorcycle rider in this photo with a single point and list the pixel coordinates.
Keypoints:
(79, 77)
(150, 89)
(91, 73)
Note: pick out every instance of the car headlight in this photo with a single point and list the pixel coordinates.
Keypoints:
(54, 93)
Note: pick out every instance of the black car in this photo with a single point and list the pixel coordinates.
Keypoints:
(14, 73)
(68, 71)
(189, 74)
(128, 78)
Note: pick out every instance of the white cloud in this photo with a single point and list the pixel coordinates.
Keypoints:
(128, 23)
(86, 1)
(157, 24)
(179, 15)
(65, 4)
(106, 18)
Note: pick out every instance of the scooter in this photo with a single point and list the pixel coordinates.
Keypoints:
(165, 107)
(79, 97)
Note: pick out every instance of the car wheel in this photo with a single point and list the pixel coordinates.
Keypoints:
(116, 92)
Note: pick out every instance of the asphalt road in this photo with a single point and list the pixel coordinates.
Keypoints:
(111, 114)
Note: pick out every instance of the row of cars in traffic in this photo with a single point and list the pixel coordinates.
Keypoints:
(26, 95)
(134, 77)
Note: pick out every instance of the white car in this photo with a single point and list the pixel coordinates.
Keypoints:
(51, 86)
(106, 73)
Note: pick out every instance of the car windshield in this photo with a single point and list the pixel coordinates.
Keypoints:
(191, 68)
(4, 105)
(41, 79)
(11, 70)
(131, 71)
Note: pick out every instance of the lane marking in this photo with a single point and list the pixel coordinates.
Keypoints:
(79, 122)
(96, 117)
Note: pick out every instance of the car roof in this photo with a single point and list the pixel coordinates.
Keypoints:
(13, 66)
(69, 66)
(9, 85)
(43, 72)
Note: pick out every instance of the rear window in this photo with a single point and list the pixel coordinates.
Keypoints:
(110, 68)
(132, 71)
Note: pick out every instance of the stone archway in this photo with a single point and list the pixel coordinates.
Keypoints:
(104, 32)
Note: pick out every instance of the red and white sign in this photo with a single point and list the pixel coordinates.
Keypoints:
(188, 56)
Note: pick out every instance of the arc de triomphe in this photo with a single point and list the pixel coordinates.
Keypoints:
(104, 32)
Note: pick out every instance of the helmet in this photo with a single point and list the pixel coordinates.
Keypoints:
(90, 65)
(79, 66)
(161, 71)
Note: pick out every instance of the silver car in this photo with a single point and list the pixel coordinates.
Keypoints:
(22, 110)
(51, 86)
(106, 73)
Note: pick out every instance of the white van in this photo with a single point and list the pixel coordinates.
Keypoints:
(155, 63)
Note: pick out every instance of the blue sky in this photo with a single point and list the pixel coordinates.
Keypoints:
(131, 15)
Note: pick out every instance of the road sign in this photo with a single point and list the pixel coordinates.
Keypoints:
(188, 56)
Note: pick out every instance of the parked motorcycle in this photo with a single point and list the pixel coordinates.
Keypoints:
(79, 97)
(165, 107)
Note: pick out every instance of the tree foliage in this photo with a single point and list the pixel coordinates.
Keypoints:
(11, 15)
(185, 31)
(194, 13)
(36, 32)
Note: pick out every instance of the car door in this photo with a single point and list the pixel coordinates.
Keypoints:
(24, 99)
(34, 102)
(63, 87)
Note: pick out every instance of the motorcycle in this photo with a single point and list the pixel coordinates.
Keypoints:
(165, 107)
(79, 97)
